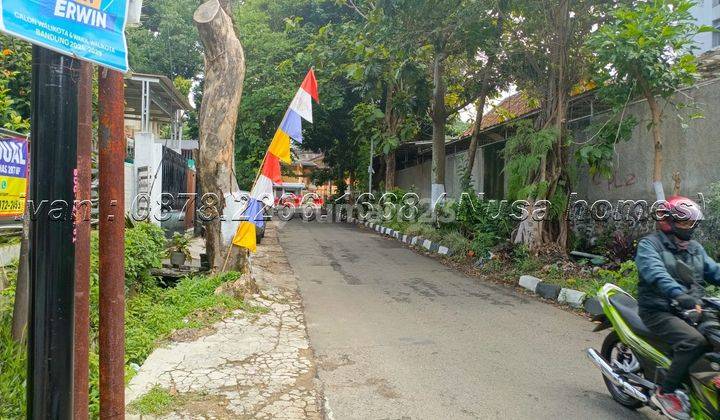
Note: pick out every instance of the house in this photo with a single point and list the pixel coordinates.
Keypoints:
(693, 151)
(303, 171)
(707, 12)
(159, 163)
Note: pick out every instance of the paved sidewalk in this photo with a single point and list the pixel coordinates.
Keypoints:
(250, 366)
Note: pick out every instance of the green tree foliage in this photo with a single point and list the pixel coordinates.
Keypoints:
(598, 152)
(15, 82)
(452, 34)
(369, 51)
(645, 49)
(276, 35)
(167, 41)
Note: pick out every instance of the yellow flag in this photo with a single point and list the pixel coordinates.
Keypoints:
(245, 236)
(280, 146)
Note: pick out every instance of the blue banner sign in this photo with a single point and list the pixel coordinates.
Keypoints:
(92, 30)
(13, 176)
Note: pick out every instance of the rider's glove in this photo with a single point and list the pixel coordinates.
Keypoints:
(688, 302)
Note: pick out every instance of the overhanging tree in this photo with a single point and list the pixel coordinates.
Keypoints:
(371, 53)
(494, 75)
(645, 50)
(548, 34)
(451, 34)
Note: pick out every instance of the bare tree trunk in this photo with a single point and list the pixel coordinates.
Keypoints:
(390, 171)
(439, 114)
(22, 300)
(677, 182)
(224, 77)
(391, 123)
(484, 89)
(657, 135)
(475, 139)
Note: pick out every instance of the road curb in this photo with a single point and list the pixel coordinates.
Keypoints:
(566, 296)
(416, 241)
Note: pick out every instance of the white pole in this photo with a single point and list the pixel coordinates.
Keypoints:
(370, 167)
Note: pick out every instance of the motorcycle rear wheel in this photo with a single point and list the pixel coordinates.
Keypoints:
(611, 348)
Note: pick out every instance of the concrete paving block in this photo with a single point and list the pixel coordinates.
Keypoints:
(572, 297)
(426, 244)
(548, 291)
(396, 234)
(593, 307)
(405, 238)
(443, 250)
(414, 240)
(529, 282)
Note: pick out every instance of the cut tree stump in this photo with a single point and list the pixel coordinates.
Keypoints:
(224, 77)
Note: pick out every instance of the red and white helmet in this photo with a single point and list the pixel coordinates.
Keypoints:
(677, 208)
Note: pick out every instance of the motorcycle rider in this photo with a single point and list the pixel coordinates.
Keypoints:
(673, 267)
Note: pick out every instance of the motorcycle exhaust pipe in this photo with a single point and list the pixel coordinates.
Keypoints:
(613, 377)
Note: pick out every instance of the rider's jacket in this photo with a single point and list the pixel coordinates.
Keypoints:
(667, 271)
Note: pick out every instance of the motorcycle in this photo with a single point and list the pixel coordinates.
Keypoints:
(633, 360)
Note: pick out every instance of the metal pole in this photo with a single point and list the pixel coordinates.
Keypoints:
(82, 244)
(112, 244)
(52, 251)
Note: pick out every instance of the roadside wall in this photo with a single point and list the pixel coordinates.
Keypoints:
(693, 151)
(418, 177)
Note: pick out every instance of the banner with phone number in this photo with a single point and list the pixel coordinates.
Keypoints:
(13, 176)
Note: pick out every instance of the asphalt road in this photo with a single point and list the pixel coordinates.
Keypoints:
(400, 336)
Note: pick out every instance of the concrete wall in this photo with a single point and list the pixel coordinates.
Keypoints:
(693, 151)
(418, 177)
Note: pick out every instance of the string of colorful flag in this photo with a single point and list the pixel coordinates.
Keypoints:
(261, 194)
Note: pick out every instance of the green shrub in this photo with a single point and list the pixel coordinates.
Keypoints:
(486, 223)
(458, 243)
(420, 229)
(13, 365)
(625, 277)
(144, 249)
(523, 260)
(709, 232)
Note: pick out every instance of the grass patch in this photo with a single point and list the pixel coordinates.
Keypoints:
(13, 365)
(151, 317)
(158, 401)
